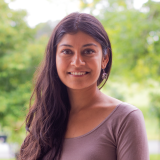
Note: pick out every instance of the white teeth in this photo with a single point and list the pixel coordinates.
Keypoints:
(78, 73)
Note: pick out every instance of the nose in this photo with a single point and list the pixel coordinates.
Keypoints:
(77, 60)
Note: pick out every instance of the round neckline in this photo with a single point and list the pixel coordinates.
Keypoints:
(96, 126)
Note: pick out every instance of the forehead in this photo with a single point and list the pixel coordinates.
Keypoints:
(78, 39)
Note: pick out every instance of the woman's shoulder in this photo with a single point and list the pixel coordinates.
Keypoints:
(126, 113)
(116, 107)
(126, 108)
(119, 107)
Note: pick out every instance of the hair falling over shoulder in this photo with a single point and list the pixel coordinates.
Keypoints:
(48, 116)
(46, 122)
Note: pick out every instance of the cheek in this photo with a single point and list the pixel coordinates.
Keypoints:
(96, 66)
(98, 69)
(61, 65)
(99, 66)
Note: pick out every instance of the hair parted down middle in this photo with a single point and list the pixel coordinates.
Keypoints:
(47, 119)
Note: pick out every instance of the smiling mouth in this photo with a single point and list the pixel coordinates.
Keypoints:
(78, 73)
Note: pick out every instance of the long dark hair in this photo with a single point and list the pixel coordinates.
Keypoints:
(47, 119)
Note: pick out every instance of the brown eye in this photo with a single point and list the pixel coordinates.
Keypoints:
(66, 51)
(88, 51)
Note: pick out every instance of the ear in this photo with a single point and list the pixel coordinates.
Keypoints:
(105, 60)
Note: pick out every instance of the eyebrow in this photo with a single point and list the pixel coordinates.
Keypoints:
(86, 45)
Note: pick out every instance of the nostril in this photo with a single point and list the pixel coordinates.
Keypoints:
(77, 62)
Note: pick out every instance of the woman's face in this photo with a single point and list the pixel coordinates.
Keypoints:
(79, 60)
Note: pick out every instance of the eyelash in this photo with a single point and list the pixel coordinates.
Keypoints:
(66, 50)
(83, 51)
(89, 51)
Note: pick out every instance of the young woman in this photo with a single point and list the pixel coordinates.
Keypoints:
(71, 119)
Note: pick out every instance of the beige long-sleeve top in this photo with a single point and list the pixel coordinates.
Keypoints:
(121, 136)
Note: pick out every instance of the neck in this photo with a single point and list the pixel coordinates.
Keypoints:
(82, 98)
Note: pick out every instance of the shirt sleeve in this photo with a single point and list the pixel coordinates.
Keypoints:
(132, 143)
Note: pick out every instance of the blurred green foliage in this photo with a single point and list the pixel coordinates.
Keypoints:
(155, 106)
(135, 39)
(20, 54)
(134, 36)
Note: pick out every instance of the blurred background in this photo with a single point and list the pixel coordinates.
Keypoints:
(133, 27)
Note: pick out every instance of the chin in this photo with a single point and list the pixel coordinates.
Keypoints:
(79, 86)
(76, 87)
